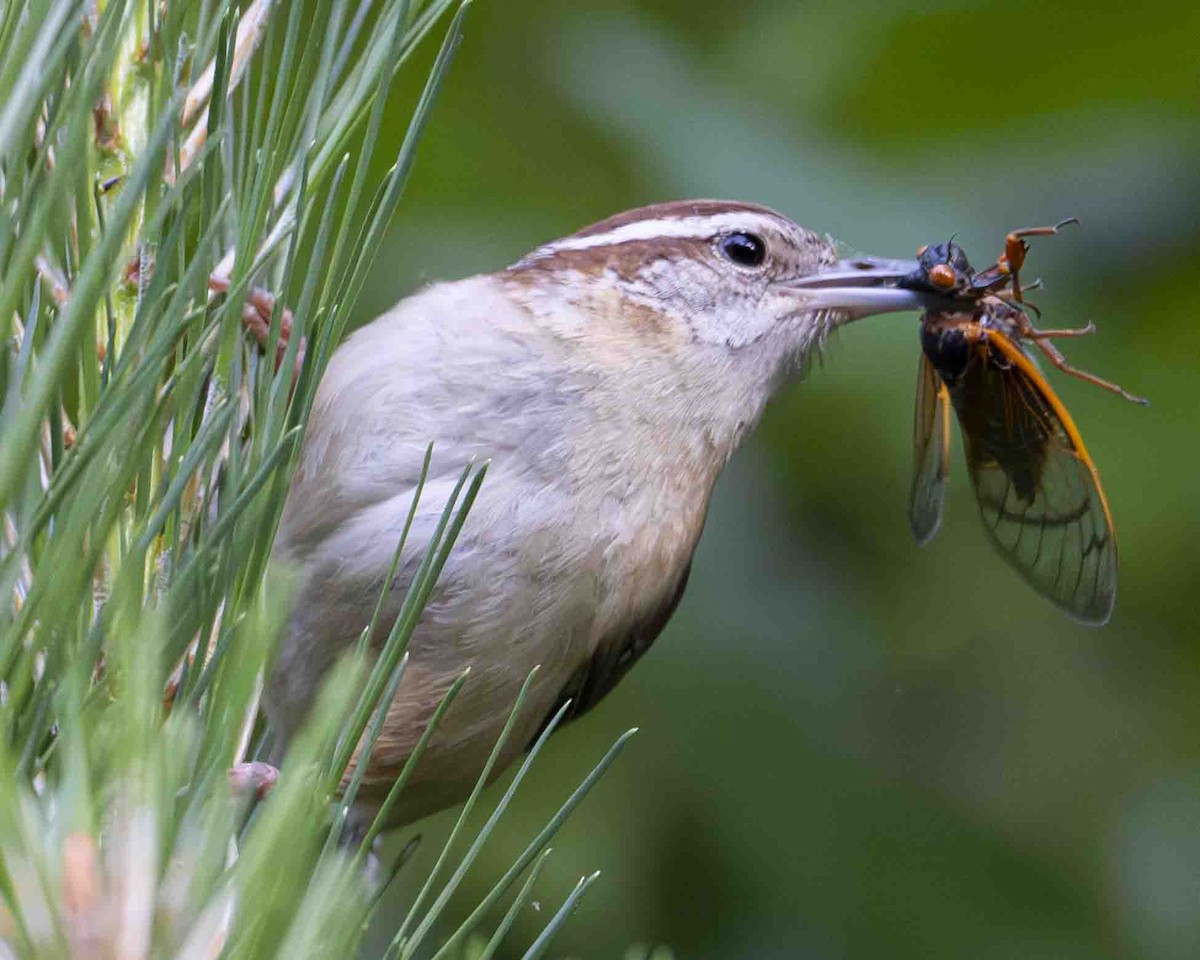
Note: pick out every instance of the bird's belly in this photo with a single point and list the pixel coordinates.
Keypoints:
(567, 602)
(548, 629)
(458, 752)
(541, 579)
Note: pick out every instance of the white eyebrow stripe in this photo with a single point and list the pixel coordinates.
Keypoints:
(698, 228)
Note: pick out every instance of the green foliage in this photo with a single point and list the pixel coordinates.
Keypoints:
(171, 174)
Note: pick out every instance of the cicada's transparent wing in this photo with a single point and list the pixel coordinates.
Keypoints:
(1038, 491)
(931, 453)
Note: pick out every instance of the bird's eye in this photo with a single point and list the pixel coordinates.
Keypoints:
(745, 249)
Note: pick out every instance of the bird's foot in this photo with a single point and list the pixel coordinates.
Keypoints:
(254, 778)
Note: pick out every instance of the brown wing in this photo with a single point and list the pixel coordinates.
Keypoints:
(931, 453)
(1038, 491)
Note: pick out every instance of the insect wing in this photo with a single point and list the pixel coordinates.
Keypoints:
(1038, 491)
(931, 453)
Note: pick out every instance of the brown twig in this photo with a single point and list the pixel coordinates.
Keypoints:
(251, 29)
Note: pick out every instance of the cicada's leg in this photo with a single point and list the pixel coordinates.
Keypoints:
(1055, 356)
(1083, 331)
(1015, 249)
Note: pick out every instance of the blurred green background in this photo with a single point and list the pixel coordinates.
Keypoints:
(852, 747)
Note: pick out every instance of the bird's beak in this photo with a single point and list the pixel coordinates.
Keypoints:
(861, 286)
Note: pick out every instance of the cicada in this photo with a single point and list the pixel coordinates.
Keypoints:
(1038, 490)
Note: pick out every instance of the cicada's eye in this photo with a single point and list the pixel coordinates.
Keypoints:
(943, 276)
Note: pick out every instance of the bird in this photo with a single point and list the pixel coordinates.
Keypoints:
(608, 377)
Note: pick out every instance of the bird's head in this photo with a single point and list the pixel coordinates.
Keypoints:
(681, 320)
(717, 273)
